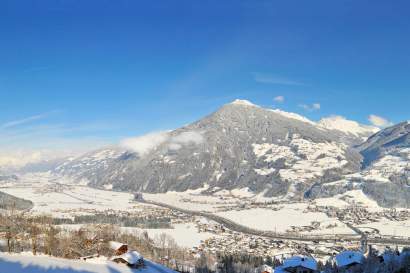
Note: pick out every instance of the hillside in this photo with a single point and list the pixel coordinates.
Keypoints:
(387, 166)
(17, 263)
(8, 201)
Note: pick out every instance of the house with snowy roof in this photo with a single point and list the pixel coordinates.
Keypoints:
(298, 264)
(349, 260)
(131, 258)
(395, 257)
(118, 248)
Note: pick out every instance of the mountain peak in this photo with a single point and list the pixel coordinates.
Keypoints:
(340, 123)
(243, 102)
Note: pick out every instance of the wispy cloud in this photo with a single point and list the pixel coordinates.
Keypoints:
(310, 107)
(274, 79)
(23, 121)
(279, 99)
(379, 121)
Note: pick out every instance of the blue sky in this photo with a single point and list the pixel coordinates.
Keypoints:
(83, 72)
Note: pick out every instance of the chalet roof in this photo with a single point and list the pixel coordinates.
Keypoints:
(116, 245)
(295, 261)
(348, 257)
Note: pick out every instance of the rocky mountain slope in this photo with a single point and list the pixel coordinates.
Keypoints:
(240, 145)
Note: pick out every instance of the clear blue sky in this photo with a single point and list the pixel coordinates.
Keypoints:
(103, 70)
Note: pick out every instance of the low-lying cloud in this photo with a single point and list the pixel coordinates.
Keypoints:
(185, 138)
(146, 143)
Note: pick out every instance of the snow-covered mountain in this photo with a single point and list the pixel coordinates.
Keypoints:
(387, 165)
(350, 128)
(385, 174)
(240, 145)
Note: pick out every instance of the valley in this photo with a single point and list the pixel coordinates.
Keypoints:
(198, 221)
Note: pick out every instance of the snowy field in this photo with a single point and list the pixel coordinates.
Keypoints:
(349, 198)
(62, 198)
(283, 219)
(50, 195)
(27, 263)
(193, 200)
(185, 235)
(393, 228)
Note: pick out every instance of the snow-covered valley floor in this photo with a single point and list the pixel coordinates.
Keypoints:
(61, 198)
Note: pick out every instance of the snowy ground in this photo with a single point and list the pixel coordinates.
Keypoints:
(54, 195)
(27, 263)
(192, 200)
(349, 198)
(185, 235)
(283, 219)
(50, 195)
(394, 228)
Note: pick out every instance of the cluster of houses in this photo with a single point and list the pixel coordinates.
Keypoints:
(358, 215)
(346, 261)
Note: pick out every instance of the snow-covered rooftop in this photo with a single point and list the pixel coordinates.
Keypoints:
(393, 256)
(116, 245)
(131, 257)
(295, 261)
(346, 258)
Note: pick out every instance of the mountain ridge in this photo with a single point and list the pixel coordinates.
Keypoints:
(238, 141)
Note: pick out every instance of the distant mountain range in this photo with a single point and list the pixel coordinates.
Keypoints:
(270, 152)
